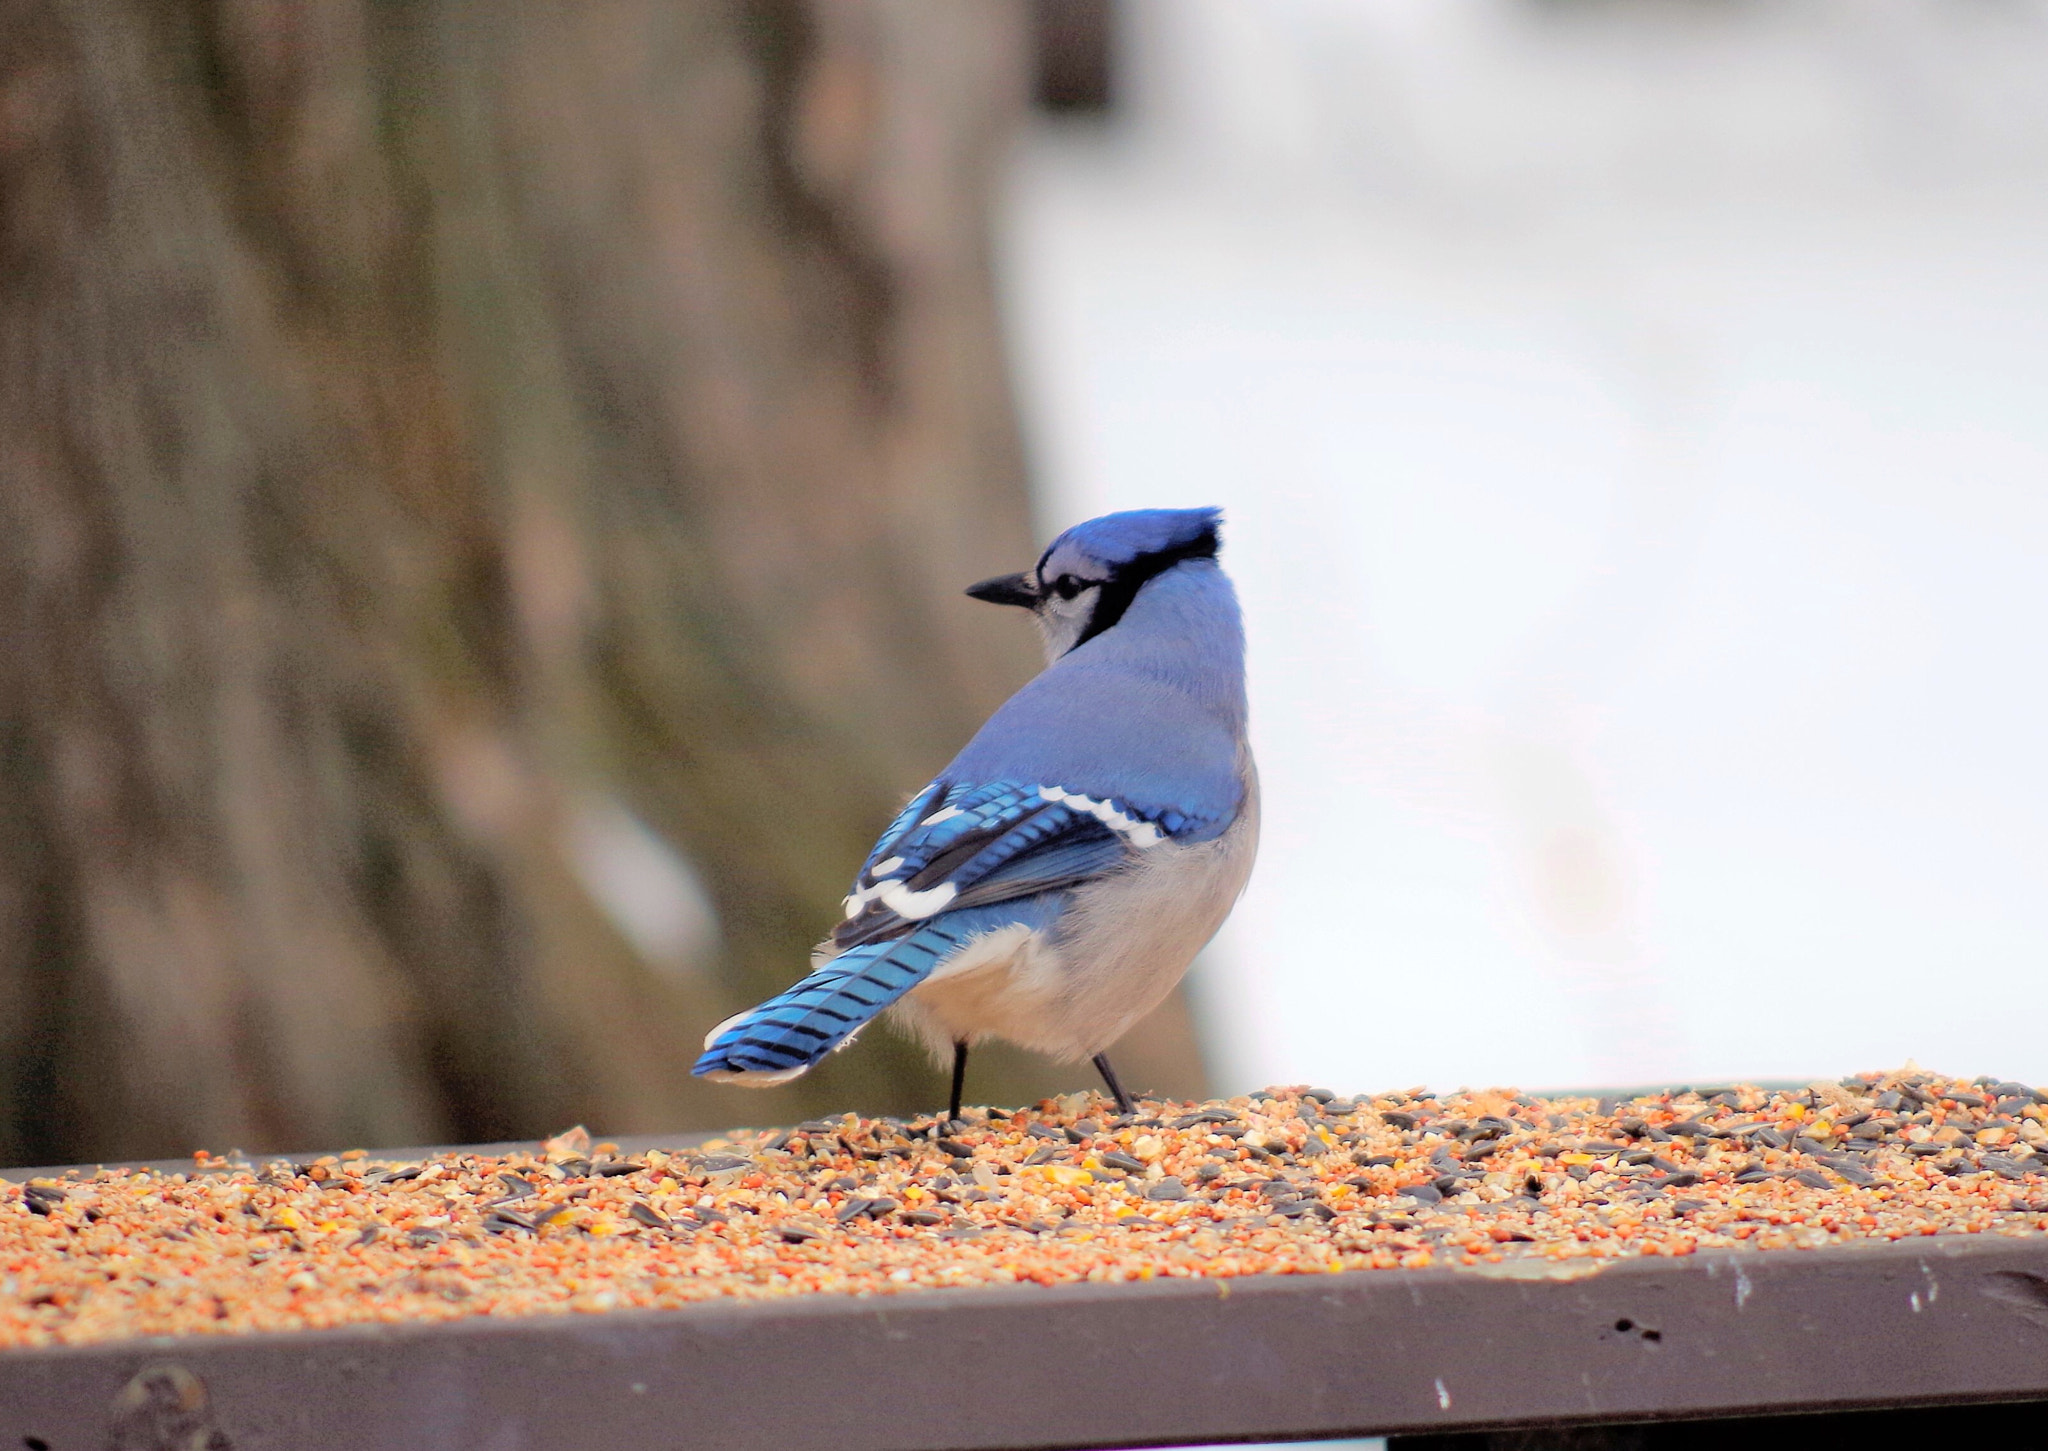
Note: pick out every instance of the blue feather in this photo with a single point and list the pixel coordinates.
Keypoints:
(914, 810)
(1108, 720)
(1132, 737)
(979, 845)
(1115, 539)
(797, 1028)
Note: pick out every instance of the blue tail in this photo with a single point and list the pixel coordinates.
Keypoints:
(788, 1033)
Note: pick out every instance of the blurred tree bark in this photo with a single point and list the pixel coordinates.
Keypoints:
(418, 421)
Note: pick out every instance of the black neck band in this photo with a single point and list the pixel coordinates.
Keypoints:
(1116, 594)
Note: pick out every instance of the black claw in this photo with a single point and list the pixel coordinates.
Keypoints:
(959, 1078)
(1124, 1102)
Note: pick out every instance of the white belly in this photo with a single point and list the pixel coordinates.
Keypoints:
(1113, 957)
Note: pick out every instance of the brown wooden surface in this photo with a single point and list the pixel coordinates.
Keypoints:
(1955, 1321)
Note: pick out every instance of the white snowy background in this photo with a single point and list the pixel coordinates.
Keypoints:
(1633, 420)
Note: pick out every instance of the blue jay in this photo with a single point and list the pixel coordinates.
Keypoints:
(1055, 881)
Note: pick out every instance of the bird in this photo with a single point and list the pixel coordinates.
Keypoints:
(1051, 885)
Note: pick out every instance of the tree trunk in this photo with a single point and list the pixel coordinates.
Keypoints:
(425, 429)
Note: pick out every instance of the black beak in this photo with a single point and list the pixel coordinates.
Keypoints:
(1006, 589)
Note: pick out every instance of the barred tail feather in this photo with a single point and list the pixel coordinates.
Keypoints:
(786, 1035)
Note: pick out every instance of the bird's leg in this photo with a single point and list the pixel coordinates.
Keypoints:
(1124, 1102)
(959, 1077)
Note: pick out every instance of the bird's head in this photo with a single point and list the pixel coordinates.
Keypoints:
(1088, 576)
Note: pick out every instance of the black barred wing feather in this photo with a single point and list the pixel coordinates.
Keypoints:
(959, 846)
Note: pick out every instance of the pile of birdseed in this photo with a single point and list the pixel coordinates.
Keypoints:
(1290, 1181)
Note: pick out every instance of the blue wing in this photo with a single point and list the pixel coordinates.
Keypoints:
(966, 845)
(958, 861)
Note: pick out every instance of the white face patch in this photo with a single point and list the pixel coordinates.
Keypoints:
(1140, 834)
(1063, 622)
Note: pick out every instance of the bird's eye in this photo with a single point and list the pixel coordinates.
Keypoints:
(1067, 586)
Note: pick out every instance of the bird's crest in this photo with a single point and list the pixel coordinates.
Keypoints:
(1114, 540)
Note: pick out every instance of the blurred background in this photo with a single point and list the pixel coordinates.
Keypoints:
(485, 493)
(1633, 416)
